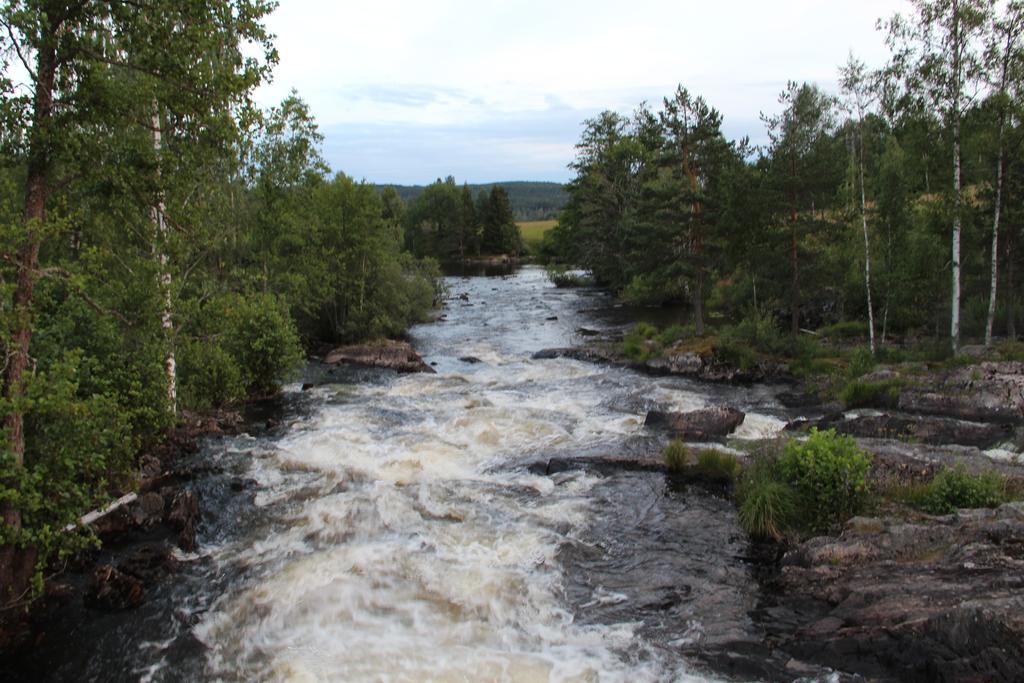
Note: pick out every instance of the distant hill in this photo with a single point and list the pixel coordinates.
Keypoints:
(531, 201)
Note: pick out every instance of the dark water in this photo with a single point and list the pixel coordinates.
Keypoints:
(392, 529)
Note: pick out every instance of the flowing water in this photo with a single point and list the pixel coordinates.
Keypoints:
(399, 533)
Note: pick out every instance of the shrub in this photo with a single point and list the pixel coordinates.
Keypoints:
(829, 474)
(717, 465)
(861, 363)
(845, 329)
(262, 339)
(861, 394)
(562, 277)
(954, 489)
(639, 343)
(766, 503)
(675, 455)
(673, 333)
(208, 376)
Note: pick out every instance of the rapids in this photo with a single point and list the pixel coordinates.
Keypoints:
(396, 532)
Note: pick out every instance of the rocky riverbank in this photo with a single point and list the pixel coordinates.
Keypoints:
(142, 536)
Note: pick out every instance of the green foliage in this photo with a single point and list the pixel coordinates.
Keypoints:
(640, 344)
(563, 277)
(674, 333)
(861, 363)
(766, 503)
(76, 446)
(845, 329)
(829, 474)
(675, 455)
(955, 488)
(717, 465)
(860, 394)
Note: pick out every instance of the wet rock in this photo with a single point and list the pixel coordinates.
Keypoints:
(149, 563)
(395, 355)
(147, 511)
(698, 425)
(990, 392)
(935, 599)
(183, 517)
(472, 360)
(929, 430)
(551, 318)
(113, 591)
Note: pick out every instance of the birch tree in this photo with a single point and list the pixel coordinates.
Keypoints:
(937, 51)
(1003, 56)
(856, 88)
(86, 64)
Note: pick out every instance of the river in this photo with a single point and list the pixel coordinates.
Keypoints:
(392, 527)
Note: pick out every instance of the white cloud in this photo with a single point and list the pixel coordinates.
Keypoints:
(462, 65)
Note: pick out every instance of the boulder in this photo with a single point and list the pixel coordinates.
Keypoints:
(395, 355)
(988, 392)
(915, 428)
(698, 425)
(112, 590)
(183, 517)
(934, 599)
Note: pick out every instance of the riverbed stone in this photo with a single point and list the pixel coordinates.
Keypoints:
(698, 425)
(395, 355)
(936, 599)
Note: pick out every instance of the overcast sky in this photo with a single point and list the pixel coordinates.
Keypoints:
(407, 91)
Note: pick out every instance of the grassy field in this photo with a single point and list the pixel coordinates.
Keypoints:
(533, 232)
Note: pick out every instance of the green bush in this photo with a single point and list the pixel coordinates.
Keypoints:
(860, 394)
(954, 489)
(639, 343)
(208, 376)
(673, 333)
(767, 504)
(261, 338)
(737, 355)
(861, 363)
(845, 329)
(717, 465)
(235, 347)
(77, 447)
(829, 474)
(562, 277)
(675, 456)
(757, 330)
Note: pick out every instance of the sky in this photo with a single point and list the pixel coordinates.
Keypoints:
(408, 91)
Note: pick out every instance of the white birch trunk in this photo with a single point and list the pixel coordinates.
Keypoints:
(160, 238)
(867, 242)
(954, 324)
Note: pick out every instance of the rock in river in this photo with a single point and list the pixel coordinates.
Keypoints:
(395, 355)
(699, 425)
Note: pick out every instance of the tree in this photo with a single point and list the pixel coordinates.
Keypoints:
(857, 89)
(88, 64)
(1004, 62)
(695, 155)
(802, 169)
(936, 52)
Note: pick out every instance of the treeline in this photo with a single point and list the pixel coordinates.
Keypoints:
(164, 246)
(447, 223)
(896, 202)
(531, 201)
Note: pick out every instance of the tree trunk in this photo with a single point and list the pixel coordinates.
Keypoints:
(794, 260)
(867, 243)
(18, 563)
(160, 246)
(1011, 303)
(954, 323)
(990, 320)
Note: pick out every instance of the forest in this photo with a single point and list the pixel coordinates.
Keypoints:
(892, 206)
(531, 201)
(165, 247)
